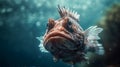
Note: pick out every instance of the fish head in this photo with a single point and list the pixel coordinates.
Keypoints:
(63, 36)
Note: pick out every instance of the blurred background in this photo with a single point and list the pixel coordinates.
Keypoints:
(21, 21)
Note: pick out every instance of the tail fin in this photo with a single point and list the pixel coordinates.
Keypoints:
(91, 37)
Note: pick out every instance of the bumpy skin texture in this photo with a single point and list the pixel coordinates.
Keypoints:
(64, 40)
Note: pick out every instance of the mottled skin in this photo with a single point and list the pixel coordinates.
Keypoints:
(64, 40)
(67, 41)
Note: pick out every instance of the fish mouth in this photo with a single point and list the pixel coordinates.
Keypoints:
(59, 39)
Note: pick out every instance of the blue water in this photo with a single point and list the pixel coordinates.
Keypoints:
(21, 21)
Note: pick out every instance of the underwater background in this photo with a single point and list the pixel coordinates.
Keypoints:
(21, 21)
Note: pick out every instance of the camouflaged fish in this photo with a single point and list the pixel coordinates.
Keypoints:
(67, 41)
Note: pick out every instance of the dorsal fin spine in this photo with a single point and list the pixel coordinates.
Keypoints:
(67, 12)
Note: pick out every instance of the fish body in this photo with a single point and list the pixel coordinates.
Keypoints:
(66, 40)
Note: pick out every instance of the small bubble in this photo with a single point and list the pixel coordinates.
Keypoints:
(9, 10)
(84, 7)
(38, 24)
(39, 5)
(3, 10)
(26, 0)
(88, 2)
(22, 8)
(18, 1)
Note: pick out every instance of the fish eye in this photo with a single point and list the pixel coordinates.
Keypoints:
(69, 27)
(69, 23)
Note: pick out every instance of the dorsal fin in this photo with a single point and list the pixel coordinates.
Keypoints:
(66, 12)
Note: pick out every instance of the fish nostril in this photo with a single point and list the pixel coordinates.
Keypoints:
(60, 28)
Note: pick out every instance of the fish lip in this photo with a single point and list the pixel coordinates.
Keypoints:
(57, 34)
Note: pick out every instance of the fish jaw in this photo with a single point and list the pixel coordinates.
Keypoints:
(59, 39)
